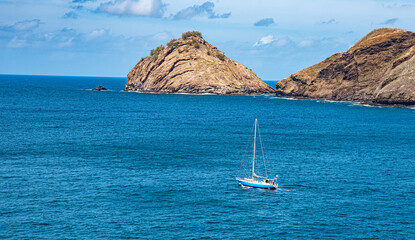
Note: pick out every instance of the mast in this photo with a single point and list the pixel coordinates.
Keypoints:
(253, 160)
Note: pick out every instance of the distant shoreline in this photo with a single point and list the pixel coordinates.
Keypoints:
(51, 75)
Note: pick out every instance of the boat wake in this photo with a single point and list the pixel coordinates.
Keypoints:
(285, 189)
(293, 188)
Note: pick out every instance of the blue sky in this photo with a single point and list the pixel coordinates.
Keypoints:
(274, 38)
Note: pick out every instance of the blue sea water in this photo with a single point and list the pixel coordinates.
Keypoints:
(79, 164)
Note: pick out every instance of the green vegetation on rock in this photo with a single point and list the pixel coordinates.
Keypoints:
(191, 34)
(173, 42)
(194, 43)
(155, 52)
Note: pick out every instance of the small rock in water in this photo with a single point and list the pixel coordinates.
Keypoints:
(99, 88)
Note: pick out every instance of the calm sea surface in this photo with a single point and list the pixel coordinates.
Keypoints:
(79, 164)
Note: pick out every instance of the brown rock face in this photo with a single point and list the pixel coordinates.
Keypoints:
(191, 65)
(379, 69)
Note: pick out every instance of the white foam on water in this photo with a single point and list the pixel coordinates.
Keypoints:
(286, 190)
(292, 99)
(202, 94)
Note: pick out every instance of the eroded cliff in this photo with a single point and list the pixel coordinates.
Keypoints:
(191, 65)
(378, 69)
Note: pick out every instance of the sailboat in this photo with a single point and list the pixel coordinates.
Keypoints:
(254, 180)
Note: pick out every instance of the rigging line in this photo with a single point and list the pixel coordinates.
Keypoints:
(247, 160)
(247, 145)
(263, 156)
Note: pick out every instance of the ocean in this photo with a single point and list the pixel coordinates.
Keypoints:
(80, 164)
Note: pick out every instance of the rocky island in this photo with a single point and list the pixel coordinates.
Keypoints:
(378, 70)
(99, 88)
(191, 65)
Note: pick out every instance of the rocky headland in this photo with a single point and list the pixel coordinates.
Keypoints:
(191, 65)
(378, 70)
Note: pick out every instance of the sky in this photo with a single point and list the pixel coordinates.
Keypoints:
(274, 38)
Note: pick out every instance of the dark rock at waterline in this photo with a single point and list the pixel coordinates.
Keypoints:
(99, 88)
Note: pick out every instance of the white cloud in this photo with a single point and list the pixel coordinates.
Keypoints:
(95, 34)
(330, 21)
(196, 10)
(65, 43)
(282, 42)
(148, 8)
(390, 21)
(17, 43)
(306, 43)
(265, 22)
(162, 37)
(22, 26)
(265, 40)
(71, 14)
(397, 5)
